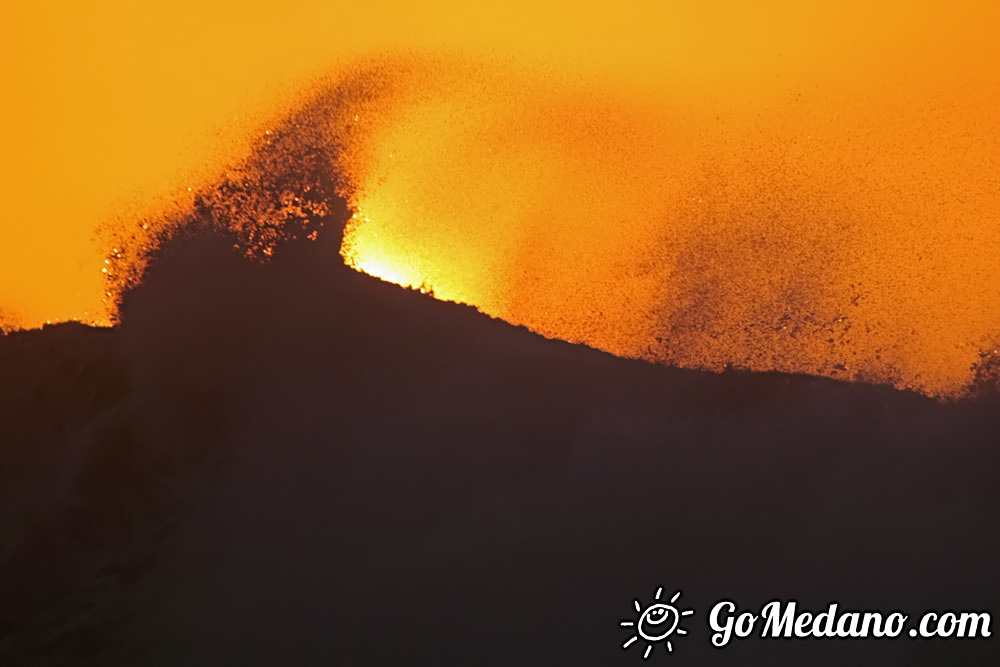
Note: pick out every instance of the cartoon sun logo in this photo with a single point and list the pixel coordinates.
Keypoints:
(656, 623)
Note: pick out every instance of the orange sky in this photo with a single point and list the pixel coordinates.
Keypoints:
(112, 104)
(115, 109)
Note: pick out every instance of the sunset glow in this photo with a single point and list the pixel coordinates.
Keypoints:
(808, 190)
(844, 227)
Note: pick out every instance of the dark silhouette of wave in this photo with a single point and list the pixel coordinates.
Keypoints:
(288, 462)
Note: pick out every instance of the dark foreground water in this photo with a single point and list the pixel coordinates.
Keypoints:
(295, 464)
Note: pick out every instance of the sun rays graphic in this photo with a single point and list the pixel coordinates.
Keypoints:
(656, 623)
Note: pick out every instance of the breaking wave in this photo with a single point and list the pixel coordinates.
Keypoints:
(852, 237)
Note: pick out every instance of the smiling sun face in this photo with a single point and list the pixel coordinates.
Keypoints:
(656, 622)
